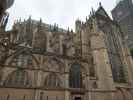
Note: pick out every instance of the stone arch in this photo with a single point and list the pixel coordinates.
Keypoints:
(22, 58)
(18, 78)
(77, 76)
(52, 80)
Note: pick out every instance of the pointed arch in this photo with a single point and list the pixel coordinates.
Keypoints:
(75, 76)
(52, 81)
(18, 78)
(22, 58)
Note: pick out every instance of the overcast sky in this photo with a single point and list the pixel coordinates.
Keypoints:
(62, 12)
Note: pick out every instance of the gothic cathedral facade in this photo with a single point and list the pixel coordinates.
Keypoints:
(44, 62)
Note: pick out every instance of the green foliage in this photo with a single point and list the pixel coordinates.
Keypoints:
(131, 51)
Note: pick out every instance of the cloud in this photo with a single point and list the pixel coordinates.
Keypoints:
(63, 12)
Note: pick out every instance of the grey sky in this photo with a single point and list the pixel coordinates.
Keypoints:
(63, 12)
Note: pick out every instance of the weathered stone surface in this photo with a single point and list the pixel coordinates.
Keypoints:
(45, 62)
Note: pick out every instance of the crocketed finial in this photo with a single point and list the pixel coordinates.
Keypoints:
(100, 4)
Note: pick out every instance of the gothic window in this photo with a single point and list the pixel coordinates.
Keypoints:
(115, 52)
(22, 60)
(117, 65)
(18, 78)
(75, 76)
(52, 81)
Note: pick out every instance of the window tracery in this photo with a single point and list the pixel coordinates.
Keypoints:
(18, 78)
(115, 56)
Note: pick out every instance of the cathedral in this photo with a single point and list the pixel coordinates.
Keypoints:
(39, 61)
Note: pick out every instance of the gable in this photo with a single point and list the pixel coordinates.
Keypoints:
(102, 12)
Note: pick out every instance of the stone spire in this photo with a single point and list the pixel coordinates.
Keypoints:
(40, 25)
(68, 30)
(93, 12)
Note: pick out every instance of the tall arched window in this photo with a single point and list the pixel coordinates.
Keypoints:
(75, 76)
(24, 60)
(18, 78)
(21, 60)
(52, 81)
(115, 54)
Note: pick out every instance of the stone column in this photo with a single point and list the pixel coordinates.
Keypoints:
(66, 85)
(67, 95)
